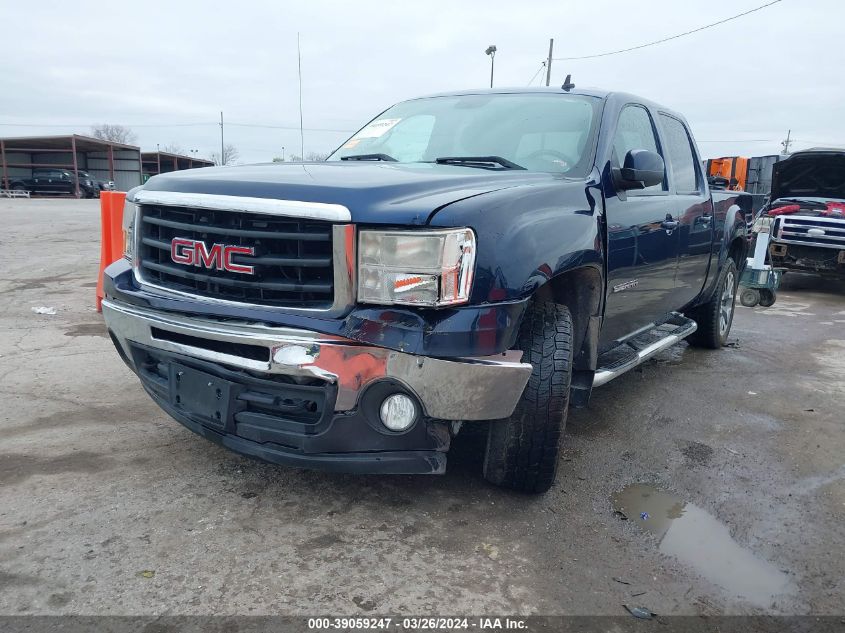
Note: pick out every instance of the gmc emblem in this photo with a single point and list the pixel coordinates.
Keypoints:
(217, 257)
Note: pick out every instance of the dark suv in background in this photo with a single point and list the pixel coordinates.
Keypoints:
(48, 180)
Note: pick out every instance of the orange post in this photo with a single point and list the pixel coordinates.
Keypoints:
(111, 235)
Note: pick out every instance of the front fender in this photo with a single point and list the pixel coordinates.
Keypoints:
(529, 235)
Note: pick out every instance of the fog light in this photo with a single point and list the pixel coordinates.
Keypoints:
(398, 412)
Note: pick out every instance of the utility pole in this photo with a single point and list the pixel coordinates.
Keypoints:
(787, 142)
(299, 72)
(222, 151)
(549, 62)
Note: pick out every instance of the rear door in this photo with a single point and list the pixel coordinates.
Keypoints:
(642, 253)
(691, 207)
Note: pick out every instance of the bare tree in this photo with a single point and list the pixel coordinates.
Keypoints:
(230, 155)
(310, 156)
(114, 133)
(173, 148)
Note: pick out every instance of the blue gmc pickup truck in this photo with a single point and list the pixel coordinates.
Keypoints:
(484, 257)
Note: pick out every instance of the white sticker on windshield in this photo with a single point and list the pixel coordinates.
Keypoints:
(376, 128)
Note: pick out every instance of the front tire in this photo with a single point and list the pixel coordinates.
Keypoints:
(715, 317)
(523, 450)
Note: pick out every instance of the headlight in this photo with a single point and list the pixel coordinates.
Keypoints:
(130, 210)
(420, 268)
(762, 224)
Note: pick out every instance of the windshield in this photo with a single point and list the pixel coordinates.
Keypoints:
(538, 132)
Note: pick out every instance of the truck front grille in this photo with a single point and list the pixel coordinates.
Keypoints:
(798, 229)
(292, 259)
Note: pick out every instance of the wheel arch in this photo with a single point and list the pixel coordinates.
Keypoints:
(738, 251)
(582, 291)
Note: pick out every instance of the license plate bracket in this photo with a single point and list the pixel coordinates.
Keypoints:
(201, 395)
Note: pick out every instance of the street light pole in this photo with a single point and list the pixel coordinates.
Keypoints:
(491, 51)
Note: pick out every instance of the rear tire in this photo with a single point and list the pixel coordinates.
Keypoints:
(715, 317)
(523, 450)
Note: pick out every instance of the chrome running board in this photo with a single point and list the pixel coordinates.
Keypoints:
(638, 349)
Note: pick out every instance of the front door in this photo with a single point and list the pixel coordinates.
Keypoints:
(642, 239)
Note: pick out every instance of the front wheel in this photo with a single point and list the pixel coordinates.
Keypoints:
(715, 317)
(523, 450)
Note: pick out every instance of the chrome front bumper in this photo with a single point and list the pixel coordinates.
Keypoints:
(484, 388)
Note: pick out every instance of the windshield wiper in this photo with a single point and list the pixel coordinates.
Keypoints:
(484, 162)
(385, 157)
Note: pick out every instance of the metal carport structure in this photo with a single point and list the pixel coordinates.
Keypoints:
(162, 162)
(105, 160)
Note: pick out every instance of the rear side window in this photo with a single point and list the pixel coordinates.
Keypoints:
(679, 150)
(635, 130)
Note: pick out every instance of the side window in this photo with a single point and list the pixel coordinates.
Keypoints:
(635, 130)
(679, 150)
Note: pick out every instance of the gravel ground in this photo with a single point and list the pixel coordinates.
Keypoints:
(108, 506)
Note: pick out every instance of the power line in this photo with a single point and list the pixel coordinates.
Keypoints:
(539, 70)
(804, 140)
(205, 123)
(290, 127)
(165, 125)
(673, 37)
(742, 140)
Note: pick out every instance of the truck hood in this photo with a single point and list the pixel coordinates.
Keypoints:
(812, 173)
(378, 193)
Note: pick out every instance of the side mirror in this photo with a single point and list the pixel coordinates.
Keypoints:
(643, 168)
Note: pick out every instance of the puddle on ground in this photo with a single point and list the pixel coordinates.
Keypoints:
(696, 538)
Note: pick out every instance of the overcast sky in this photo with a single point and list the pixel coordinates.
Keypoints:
(150, 65)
